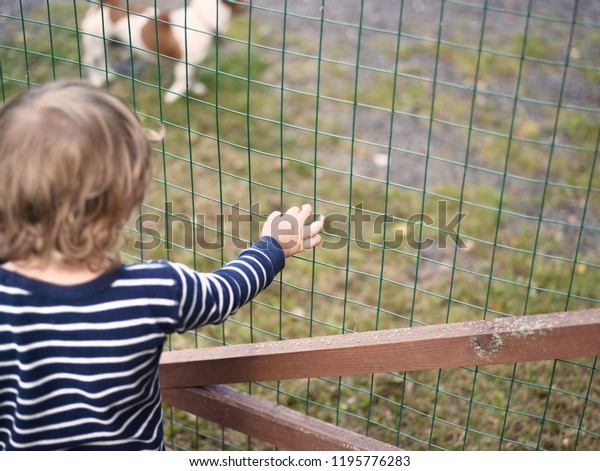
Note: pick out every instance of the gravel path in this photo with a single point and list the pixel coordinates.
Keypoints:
(377, 13)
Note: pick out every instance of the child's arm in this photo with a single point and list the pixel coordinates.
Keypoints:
(209, 298)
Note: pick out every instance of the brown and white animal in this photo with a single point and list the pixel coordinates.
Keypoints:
(185, 34)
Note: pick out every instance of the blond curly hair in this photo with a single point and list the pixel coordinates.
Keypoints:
(74, 162)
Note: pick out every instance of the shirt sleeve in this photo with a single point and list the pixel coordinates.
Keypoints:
(210, 298)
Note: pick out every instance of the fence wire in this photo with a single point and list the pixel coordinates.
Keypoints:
(453, 147)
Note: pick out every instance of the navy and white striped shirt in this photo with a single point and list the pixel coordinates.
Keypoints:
(79, 364)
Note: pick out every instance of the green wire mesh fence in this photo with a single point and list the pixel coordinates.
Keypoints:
(453, 147)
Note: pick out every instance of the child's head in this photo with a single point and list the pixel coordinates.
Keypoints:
(74, 162)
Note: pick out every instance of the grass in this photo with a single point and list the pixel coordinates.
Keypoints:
(252, 145)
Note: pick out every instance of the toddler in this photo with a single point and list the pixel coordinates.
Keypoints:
(81, 333)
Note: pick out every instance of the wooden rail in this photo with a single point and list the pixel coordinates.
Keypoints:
(272, 423)
(486, 342)
(187, 374)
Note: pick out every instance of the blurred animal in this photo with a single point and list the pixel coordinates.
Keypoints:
(184, 34)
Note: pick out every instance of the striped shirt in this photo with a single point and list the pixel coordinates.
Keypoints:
(79, 364)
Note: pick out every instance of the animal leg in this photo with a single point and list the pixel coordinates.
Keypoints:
(184, 80)
(94, 52)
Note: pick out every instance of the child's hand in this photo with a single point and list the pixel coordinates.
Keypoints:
(289, 230)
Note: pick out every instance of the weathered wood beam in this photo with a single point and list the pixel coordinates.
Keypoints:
(485, 342)
(272, 423)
